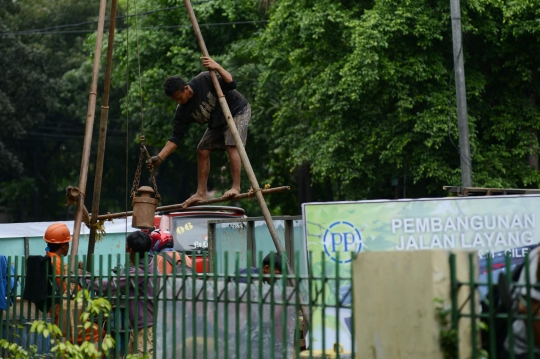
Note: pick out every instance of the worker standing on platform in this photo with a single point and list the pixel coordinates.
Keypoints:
(198, 102)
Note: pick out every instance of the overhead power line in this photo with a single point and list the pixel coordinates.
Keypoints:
(95, 21)
(64, 136)
(47, 29)
(32, 32)
(74, 130)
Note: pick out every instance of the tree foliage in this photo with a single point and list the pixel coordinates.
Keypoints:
(368, 92)
(347, 96)
(41, 116)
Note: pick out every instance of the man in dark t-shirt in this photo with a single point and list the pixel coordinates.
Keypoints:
(198, 102)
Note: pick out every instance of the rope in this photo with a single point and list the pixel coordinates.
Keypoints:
(100, 229)
(252, 192)
(144, 152)
(139, 67)
(71, 199)
(127, 113)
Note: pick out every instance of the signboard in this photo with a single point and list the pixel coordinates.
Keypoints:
(492, 226)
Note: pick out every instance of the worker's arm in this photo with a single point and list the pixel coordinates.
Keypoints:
(114, 284)
(155, 161)
(210, 64)
(169, 148)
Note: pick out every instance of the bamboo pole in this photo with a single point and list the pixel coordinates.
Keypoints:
(242, 151)
(87, 145)
(102, 134)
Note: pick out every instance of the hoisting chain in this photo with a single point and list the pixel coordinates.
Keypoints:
(142, 159)
(144, 152)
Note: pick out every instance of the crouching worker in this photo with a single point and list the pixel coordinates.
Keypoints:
(58, 237)
(163, 249)
(266, 270)
(141, 307)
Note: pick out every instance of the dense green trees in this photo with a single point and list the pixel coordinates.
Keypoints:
(44, 94)
(368, 92)
(346, 95)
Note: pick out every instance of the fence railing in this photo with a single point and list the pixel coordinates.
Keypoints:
(501, 309)
(180, 314)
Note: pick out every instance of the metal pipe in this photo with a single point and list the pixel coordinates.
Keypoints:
(27, 247)
(241, 150)
(178, 207)
(87, 145)
(102, 133)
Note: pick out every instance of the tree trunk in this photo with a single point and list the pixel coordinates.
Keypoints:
(303, 179)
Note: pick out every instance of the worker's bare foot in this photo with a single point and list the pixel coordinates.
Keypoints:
(197, 197)
(231, 193)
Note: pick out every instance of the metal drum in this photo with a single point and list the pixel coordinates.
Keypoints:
(144, 208)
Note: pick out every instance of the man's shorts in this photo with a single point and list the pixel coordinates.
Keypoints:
(217, 139)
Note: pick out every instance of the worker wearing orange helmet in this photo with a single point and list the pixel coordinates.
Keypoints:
(58, 237)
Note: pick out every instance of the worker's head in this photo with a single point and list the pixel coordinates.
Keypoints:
(138, 242)
(161, 239)
(177, 89)
(57, 237)
(267, 265)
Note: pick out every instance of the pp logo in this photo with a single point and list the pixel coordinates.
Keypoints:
(342, 237)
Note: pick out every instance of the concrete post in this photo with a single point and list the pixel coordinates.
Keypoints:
(395, 313)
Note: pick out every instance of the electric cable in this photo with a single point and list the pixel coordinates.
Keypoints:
(62, 135)
(15, 33)
(94, 21)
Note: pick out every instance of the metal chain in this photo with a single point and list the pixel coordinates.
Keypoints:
(144, 151)
(152, 177)
(137, 179)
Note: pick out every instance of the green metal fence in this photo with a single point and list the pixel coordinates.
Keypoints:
(504, 321)
(183, 314)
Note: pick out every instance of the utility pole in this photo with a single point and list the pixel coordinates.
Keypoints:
(461, 96)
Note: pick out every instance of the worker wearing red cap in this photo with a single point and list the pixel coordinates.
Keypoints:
(58, 237)
(163, 245)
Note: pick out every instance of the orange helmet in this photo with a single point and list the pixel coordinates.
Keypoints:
(57, 233)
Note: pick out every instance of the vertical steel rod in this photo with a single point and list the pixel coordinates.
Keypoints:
(26, 247)
(241, 149)
(87, 145)
(461, 96)
(102, 132)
